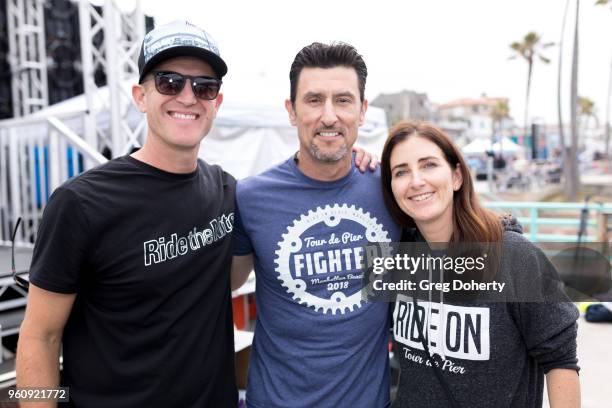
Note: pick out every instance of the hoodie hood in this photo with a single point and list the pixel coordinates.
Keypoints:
(510, 223)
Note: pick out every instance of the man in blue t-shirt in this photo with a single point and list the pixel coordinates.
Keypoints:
(305, 224)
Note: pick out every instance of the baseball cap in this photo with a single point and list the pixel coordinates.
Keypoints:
(177, 39)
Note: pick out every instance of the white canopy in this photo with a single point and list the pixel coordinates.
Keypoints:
(506, 145)
(477, 146)
(482, 145)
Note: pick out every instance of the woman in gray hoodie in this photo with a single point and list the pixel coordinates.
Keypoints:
(474, 352)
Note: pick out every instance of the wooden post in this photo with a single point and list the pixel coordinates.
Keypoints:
(603, 226)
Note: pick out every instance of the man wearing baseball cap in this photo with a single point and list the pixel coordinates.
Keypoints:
(131, 268)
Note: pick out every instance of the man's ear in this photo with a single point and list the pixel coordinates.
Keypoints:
(291, 112)
(218, 102)
(364, 108)
(139, 96)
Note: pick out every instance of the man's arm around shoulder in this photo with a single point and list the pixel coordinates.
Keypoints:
(241, 268)
(40, 338)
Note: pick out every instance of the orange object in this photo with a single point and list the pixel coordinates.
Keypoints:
(240, 312)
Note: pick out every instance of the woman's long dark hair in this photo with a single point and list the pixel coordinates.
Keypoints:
(472, 222)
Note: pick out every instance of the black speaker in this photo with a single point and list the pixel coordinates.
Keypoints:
(6, 99)
(63, 46)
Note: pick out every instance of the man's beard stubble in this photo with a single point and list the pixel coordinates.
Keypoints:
(331, 157)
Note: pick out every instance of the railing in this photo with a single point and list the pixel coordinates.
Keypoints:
(37, 154)
(561, 220)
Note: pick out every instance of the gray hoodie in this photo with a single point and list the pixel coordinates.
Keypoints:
(491, 354)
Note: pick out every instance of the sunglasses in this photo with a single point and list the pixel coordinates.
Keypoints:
(172, 83)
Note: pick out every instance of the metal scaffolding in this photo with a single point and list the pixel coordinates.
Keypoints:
(118, 55)
(27, 56)
(38, 153)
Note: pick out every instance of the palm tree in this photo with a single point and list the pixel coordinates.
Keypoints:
(572, 182)
(603, 3)
(608, 112)
(499, 112)
(559, 72)
(529, 49)
(586, 112)
(586, 107)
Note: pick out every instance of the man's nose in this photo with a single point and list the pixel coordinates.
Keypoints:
(186, 96)
(329, 116)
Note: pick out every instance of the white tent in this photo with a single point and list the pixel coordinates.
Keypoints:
(506, 145)
(481, 146)
(477, 146)
(246, 139)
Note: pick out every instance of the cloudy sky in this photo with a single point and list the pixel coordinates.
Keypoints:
(446, 48)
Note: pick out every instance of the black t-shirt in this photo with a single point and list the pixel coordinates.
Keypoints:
(148, 254)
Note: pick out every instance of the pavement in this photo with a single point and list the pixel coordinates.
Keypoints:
(595, 360)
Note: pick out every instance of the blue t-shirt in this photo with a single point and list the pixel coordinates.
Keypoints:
(317, 343)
